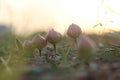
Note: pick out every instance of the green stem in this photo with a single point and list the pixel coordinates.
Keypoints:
(75, 40)
(54, 45)
(39, 52)
(69, 49)
(64, 56)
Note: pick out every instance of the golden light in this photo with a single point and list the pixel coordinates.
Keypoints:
(28, 16)
(81, 12)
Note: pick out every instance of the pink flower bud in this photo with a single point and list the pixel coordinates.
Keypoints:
(86, 48)
(39, 42)
(85, 44)
(53, 36)
(74, 31)
(27, 44)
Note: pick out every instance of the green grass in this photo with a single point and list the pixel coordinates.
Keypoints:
(15, 62)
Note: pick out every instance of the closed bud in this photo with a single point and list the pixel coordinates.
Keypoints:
(53, 36)
(27, 44)
(74, 31)
(86, 48)
(39, 42)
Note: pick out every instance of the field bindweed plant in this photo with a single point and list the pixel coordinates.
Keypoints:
(74, 31)
(85, 46)
(39, 42)
(86, 49)
(53, 37)
(28, 45)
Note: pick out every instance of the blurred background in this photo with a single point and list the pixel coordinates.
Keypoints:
(29, 16)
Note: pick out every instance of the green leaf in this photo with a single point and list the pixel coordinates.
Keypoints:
(19, 44)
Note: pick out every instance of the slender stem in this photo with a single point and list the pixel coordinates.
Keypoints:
(54, 45)
(75, 40)
(39, 52)
(65, 56)
(69, 49)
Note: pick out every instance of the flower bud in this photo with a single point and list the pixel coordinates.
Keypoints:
(39, 42)
(74, 31)
(53, 36)
(86, 48)
(27, 44)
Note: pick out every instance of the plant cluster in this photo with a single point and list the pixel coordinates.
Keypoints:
(85, 46)
(53, 53)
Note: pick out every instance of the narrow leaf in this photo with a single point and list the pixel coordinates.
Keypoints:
(19, 43)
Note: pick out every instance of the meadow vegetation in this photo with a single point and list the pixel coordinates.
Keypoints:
(52, 56)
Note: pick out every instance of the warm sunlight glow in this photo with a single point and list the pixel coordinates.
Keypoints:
(28, 16)
(81, 12)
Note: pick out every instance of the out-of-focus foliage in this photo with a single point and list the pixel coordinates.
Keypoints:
(19, 64)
